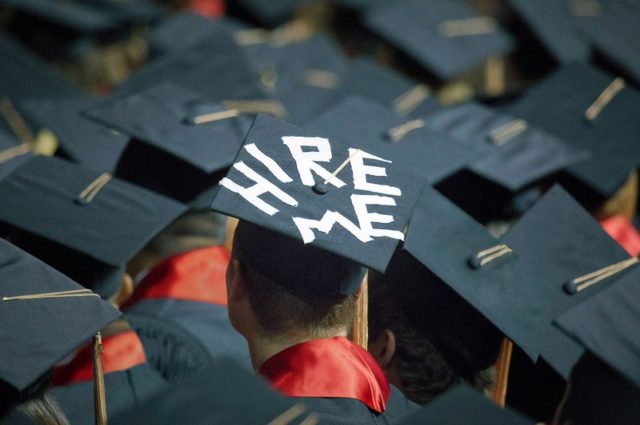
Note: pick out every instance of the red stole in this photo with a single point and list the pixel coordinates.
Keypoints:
(620, 229)
(207, 8)
(328, 368)
(119, 352)
(197, 275)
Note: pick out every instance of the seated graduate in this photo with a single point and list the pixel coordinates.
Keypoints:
(181, 280)
(45, 316)
(296, 270)
(438, 314)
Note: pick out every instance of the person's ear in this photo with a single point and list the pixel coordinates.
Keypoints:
(235, 283)
(383, 347)
(126, 289)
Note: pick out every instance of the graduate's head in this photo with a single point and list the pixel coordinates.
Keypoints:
(282, 288)
(597, 394)
(424, 335)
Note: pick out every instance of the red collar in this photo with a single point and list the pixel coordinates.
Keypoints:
(197, 275)
(119, 352)
(332, 367)
(623, 232)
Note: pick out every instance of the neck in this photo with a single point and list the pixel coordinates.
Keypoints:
(263, 347)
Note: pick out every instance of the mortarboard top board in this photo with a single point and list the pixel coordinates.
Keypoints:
(168, 152)
(606, 325)
(12, 154)
(610, 138)
(83, 223)
(551, 23)
(184, 28)
(214, 66)
(282, 180)
(37, 333)
(489, 276)
(463, 405)
(515, 155)
(613, 33)
(392, 89)
(80, 140)
(378, 130)
(222, 394)
(446, 37)
(559, 242)
(360, 5)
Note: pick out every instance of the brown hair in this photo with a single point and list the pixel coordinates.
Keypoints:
(44, 409)
(280, 313)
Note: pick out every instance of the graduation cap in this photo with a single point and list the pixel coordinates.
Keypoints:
(85, 224)
(552, 25)
(591, 111)
(487, 274)
(319, 195)
(181, 142)
(463, 405)
(225, 393)
(392, 89)
(515, 155)
(409, 143)
(45, 317)
(613, 33)
(303, 75)
(213, 66)
(12, 154)
(606, 323)
(446, 37)
(80, 140)
(569, 257)
(185, 28)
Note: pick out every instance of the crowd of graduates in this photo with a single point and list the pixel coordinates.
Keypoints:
(319, 211)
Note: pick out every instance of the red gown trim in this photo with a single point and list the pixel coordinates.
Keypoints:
(197, 275)
(119, 352)
(328, 368)
(620, 229)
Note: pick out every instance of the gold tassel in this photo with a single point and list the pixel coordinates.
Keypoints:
(99, 393)
(502, 366)
(361, 321)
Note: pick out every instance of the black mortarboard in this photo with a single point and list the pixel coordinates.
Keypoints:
(392, 89)
(446, 37)
(463, 405)
(485, 273)
(39, 332)
(79, 139)
(607, 325)
(335, 197)
(214, 67)
(359, 4)
(12, 154)
(614, 35)
(560, 244)
(223, 394)
(168, 153)
(185, 28)
(85, 224)
(408, 143)
(303, 75)
(552, 25)
(560, 104)
(515, 155)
